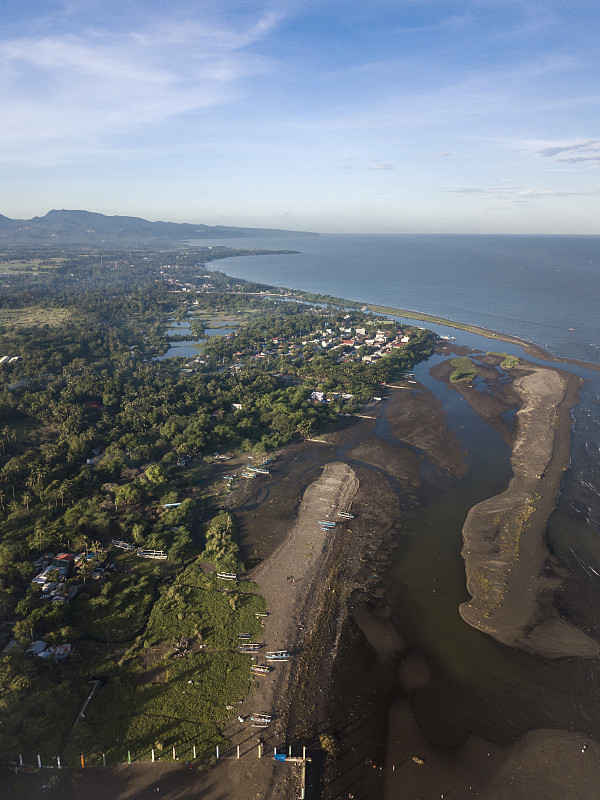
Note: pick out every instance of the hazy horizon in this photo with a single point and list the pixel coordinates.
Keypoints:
(436, 116)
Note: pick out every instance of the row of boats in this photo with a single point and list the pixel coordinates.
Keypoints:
(272, 655)
(260, 720)
(328, 524)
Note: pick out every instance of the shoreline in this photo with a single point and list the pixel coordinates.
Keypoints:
(506, 558)
(224, 779)
(534, 350)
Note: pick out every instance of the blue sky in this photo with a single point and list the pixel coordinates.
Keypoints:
(362, 115)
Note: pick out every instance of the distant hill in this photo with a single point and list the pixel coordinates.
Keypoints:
(85, 227)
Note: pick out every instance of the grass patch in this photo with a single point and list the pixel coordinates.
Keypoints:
(38, 317)
(465, 370)
(195, 606)
(31, 265)
(118, 610)
(160, 696)
(508, 362)
(174, 703)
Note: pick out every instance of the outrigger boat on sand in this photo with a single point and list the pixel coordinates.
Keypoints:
(277, 655)
(261, 669)
(261, 720)
(249, 647)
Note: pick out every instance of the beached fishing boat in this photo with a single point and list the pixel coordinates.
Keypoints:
(261, 669)
(249, 647)
(278, 655)
(263, 718)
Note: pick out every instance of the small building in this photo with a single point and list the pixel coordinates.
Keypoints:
(64, 560)
(59, 652)
(36, 648)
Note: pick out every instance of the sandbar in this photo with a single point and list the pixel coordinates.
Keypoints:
(504, 549)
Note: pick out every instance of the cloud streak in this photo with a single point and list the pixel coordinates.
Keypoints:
(76, 87)
(516, 192)
(578, 152)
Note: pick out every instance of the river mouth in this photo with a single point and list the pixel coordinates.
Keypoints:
(445, 694)
(466, 687)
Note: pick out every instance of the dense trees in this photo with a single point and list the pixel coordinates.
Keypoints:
(99, 440)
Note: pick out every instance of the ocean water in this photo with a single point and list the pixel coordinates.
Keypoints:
(545, 290)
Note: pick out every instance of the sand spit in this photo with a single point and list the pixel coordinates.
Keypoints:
(291, 580)
(504, 536)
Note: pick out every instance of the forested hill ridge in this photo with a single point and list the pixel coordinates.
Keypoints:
(66, 227)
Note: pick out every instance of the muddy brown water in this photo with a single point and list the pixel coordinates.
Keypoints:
(419, 496)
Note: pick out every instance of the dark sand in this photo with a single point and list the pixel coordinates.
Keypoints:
(344, 570)
(504, 536)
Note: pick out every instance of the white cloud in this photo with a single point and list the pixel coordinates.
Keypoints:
(572, 153)
(516, 192)
(64, 94)
(376, 166)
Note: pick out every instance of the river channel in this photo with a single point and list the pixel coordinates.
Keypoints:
(477, 686)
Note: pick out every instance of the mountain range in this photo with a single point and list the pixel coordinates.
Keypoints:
(87, 227)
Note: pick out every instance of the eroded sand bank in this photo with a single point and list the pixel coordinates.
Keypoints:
(504, 536)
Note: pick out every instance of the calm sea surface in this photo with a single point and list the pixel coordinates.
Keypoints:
(535, 287)
(546, 290)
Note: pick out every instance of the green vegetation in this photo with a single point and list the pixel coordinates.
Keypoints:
(163, 694)
(508, 362)
(465, 370)
(103, 440)
(119, 610)
(30, 264)
(329, 744)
